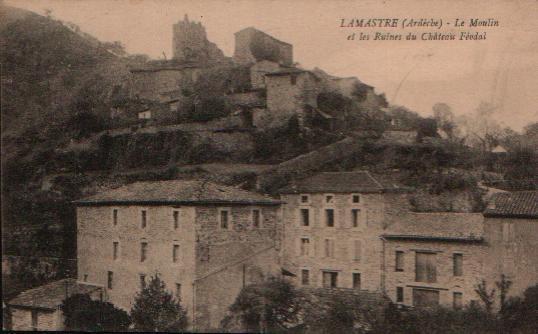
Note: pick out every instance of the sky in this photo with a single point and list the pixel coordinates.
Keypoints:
(502, 69)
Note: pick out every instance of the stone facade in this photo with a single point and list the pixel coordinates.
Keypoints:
(356, 249)
(253, 45)
(154, 83)
(512, 251)
(25, 319)
(259, 70)
(207, 253)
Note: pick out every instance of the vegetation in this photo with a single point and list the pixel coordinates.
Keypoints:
(156, 309)
(81, 313)
(271, 306)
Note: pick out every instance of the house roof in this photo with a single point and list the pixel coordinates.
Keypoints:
(287, 71)
(177, 192)
(437, 226)
(519, 204)
(51, 295)
(339, 182)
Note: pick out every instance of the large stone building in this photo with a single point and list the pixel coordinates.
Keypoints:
(332, 225)
(433, 258)
(205, 241)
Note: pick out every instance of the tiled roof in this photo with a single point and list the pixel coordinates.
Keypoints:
(442, 226)
(339, 182)
(519, 204)
(50, 296)
(177, 192)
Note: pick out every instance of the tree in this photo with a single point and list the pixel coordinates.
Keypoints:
(503, 285)
(487, 297)
(155, 309)
(340, 312)
(81, 313)
(442, 113)
(520, 315)
(273, 305)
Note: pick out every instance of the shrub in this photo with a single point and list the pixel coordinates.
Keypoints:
(84, 314)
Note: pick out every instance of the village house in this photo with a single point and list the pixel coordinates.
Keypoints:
(253, 45)
(332, 225)
(511, 233)
(38, 309)
(433, 259)
(204, 240)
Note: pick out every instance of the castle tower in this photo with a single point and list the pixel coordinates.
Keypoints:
(190, 43)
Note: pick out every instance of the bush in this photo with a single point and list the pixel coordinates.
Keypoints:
(84, 314)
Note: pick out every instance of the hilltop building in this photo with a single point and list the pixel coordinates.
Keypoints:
(190, 43)
(253, 45)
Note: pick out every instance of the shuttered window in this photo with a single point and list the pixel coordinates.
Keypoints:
(305, 217)
(399, 265)
(457, 264)
(357, 250)
(425, 268)
(330, 279)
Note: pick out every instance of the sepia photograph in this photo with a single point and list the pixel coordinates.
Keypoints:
(269, 166)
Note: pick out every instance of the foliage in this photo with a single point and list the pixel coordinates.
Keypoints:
(444, 117)
(522, 163)
(156, 309)
(340, 313)
(520, 315)
(84, 314)
(273, 305)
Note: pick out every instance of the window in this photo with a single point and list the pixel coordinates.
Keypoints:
(305, 217)
(115, 217)
(305, 246)
(329, 217)
(293, 80)
(399, 265)
(399, 294)
(457, 260)
(356, 281)
(329, 199)
(425, 298)
(357, 250)
(355, 217)
(143, 251)
(256, 218)
(457, 300)
(224, 219)
(115, 250)
(425, 269)
(305, 277)
(35, 319)
(175, 215)
(330, 279)
(85, 278)
(110, 279)
(355, 198)
(142, 278)
(143, 218)
(178, 291)
(305, 199)
(329, 248)
(175, 253)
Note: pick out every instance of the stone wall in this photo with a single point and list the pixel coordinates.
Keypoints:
(153, 84)
(512, 251)
(259, 70)
(252, 45)
(370, 227)
(446, 283)
(46, 320)
(222, 255)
